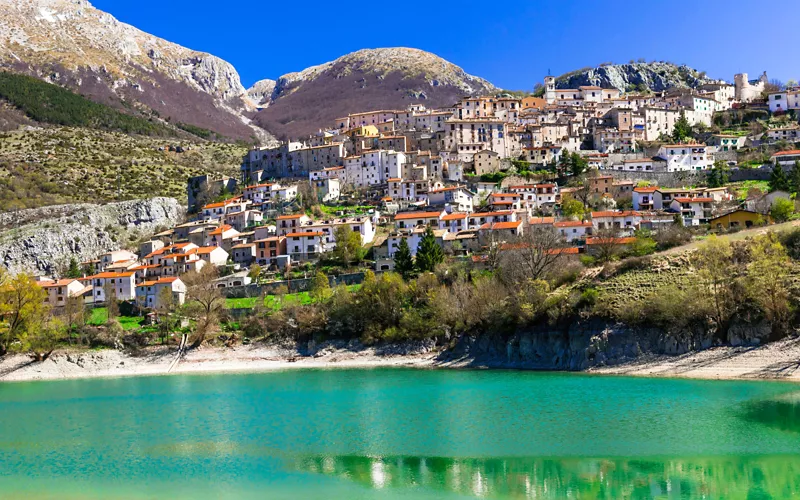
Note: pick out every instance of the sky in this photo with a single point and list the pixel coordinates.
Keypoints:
(513, 44)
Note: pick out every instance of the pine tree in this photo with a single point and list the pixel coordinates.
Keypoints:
(778, 180)
(403, 262)
(74, 270)
(429, 253)
(682, 128)
(794, 177)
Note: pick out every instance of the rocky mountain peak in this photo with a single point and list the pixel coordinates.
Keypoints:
(655, 76)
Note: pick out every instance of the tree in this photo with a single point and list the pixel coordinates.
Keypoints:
(320, 287)
(254, 273)
(403, 261)
(777, 179)
(75, 312)
(22, 309)
(682, 129)
(348, 247)
(607, 245)
(110, 295)
(782, 210)
(578, 164)
(794, 178)
(791, 83)
(166, 307)
(429, 253)
(74, 270)
(41, 342)
(204, 302)
(768, 281)
(715, 270)
(531, 255)
(571, 208)
(719, 175)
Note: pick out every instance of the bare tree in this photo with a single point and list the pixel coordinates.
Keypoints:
(606, 244)
(532, 254)
(204, 302)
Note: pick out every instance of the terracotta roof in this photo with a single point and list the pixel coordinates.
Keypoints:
(542, 220)
(52, 284)
(693, 200)
(205, 250)
(305, 235)
(573, 223)
(645, 189)
(455, 216)
(597, 240)
(290, 217)
(611, 213)
(416, 215)
(506, 225)
(504, 195)
(786, 153)
(109, 275)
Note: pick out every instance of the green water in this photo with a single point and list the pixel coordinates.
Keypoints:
(394, 433)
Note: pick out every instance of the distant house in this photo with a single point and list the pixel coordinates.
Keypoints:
(738, 219)
(149, 293)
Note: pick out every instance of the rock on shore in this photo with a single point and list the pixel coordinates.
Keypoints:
(43, 240)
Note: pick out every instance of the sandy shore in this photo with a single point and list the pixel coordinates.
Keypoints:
(779, 360)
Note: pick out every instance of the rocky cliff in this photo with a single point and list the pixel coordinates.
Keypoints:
(656, 76)
(71, 43)
(43, 240)
(594, 343)
(390, 78)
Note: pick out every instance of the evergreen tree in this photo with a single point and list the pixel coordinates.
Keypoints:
(578, 164)
(429, 253)
(403, 262)
(778, 180)
(74, 270)
(683, 129)
(794, 177)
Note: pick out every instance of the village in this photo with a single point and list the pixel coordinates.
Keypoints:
(603, 170)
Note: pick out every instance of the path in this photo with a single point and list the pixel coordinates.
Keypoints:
(739, 235)
(181, 352)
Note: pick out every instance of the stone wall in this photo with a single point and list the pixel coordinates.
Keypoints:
(293, 286)
(689, 178)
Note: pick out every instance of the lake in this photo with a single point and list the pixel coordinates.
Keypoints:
(399, 433)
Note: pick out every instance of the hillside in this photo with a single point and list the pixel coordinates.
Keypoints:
(655, 76)
(46, 166)
(301, 103)
(71, 43)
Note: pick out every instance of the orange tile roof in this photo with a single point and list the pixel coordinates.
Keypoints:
(416, 215)
(573, 223)
(786, 153)
(597, 240)
(305, 235)
(53, 284)
(542, 220)
(109, 275)
(504, 195)
(645, 189)
(491, 214)
(205, 250)
(693, 200)
(455, 216)
(506, 225)
(611, 213)
(290, 217)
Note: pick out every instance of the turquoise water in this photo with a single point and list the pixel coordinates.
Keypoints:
(395, 433)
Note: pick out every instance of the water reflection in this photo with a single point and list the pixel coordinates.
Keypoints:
(520, 477)
(782, 412)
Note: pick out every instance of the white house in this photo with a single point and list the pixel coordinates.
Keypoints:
(149, 293)
(786, 158)
(123, 285)
(573, 230)
(458, 197)
(623, 222)
(58, 291)
(647, 198)
(682, 157)
(695, 211)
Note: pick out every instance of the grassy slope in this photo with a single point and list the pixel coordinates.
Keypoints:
(62, 165)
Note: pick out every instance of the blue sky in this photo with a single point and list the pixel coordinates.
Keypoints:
(513, 43)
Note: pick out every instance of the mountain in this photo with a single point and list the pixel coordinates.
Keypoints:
(369, 79)
(71, 43)
(656, 76)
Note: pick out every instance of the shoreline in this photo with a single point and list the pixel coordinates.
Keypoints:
(779, 361)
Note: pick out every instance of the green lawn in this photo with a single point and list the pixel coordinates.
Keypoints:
(742, 187)
(275, 302)
(99, 316)
(331, 210)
